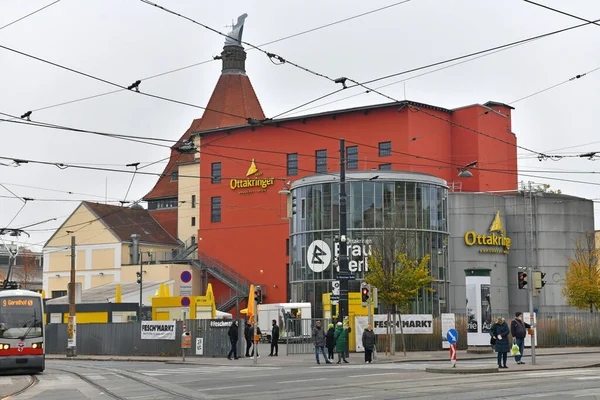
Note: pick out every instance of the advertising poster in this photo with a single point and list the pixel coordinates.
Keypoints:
(448, 322)
(158, 330)
(478, 310)
(527, 320)
(473, 324)
(486, 309)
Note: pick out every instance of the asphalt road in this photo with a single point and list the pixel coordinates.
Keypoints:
(144, 380)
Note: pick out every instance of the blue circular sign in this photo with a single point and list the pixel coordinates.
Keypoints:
(185, 302)
(186, 276)
(452, 336)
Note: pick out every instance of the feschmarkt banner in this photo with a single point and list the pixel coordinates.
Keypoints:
(411, 324)
(164, 330)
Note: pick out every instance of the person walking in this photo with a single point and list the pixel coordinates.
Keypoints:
(518, 330)
(500, 331)
(319, 339)
(274, 339)
(248, 338)
(368, 342)
(330, 341)
(254, 332)
(233, 338)
(341, 342)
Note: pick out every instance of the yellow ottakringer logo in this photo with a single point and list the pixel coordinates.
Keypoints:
(252, 181)
(497, 238)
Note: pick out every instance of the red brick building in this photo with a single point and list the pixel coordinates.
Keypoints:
(245, 160)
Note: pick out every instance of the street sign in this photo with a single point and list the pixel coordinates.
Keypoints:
(318, 256)
(335, 292)
(185, 284)
(185, 302)
(452, 336)
(186, 311)
(345, 277)
(453, 355)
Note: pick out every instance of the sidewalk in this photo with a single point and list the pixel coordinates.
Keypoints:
(309, 359)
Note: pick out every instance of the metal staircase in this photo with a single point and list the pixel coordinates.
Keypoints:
(186, 249)
(238, 284)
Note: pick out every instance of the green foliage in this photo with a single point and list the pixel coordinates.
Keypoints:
(581, 286)
(399, 282)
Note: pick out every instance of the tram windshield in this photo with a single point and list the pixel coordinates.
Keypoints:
(20, 317)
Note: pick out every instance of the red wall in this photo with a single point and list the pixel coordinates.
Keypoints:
(251, 236)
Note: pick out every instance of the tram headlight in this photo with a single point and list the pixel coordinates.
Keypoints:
(4, 346)
(38, 345)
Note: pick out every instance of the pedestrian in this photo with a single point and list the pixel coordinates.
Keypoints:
(518, 330)
(500, 332)
(274, 339)
(319, 340)
(248, 337)
(330, 341)
(233, 338)
(341, 342)
(368, 342)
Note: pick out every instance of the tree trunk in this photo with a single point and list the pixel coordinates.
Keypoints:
(394, 333)
(402, 335)
(389, 337)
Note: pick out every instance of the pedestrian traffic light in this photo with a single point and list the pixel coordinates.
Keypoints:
(522, 280)
(257, 295)
(364, 293)
(139, 277)
(538, 279)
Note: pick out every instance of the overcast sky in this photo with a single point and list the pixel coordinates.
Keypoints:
(125, 40)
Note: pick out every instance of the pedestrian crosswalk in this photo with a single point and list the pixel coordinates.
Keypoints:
(199, 370)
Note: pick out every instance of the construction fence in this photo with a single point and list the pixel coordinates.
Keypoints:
(553, 330)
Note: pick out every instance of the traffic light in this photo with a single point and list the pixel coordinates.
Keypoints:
(364, 293)
(257, 295)
(538, 279)
(522, 280)
(139, 277)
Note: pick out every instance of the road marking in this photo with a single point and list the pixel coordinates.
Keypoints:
(225, 388)
(303, 380)
(585, 378)
(367, 375)
(6, 381)
(567, 372)
(351, 398)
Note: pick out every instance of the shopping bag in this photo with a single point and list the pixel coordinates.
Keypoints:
(374, 353)
(514, 351)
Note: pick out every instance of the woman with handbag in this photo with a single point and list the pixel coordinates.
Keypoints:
(368, 342)
(499, 333)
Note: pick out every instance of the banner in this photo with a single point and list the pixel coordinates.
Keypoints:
(486, 309)
(448, 322)
(411, 324)
(219, 323)
(479, 310)
(158, 330)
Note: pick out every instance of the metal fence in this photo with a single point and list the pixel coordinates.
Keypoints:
(124, 339)
(298, 335)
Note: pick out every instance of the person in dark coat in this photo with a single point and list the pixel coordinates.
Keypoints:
(248, 337)
(319, 339)
(233, 338)
(274, 339)
(500, 332)
(518, 330)
(368, 342)
(341, 342)
(330, 341)
(252, 333)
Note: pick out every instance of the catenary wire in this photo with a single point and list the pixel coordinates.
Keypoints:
(213, 59)
(28, 15)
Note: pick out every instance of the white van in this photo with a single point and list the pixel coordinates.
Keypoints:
(286, 315)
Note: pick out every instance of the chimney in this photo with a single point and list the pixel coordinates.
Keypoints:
(135, 238)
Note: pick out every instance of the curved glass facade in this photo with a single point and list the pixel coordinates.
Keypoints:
(414, 205)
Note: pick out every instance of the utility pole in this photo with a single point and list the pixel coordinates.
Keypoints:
(530, 227)
(72, 328)
(141, 284)
(343, 261)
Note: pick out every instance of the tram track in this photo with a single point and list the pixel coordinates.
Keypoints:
(172, 393)
(33, 381)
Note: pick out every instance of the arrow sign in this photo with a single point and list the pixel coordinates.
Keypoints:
(452, 336)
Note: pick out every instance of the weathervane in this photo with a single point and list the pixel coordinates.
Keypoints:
(234, 38)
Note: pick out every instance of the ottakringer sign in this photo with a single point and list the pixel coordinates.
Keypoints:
(495, 243)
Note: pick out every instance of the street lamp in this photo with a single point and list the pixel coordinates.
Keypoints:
(464, 172)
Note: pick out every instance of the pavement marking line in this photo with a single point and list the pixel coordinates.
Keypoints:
(586, 378)
(367, 375)
(566, 372)
(352, 398)
(225, 388)
(6, 380)
(303, 380)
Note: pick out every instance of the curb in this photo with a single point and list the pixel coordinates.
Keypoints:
(464, 371)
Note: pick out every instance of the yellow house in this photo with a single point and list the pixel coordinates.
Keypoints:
(104, 250)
